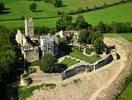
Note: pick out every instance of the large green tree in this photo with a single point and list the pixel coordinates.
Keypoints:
(84, 36)
(2, 6)
(99, 45)
(48, 63)
(64, 23)
(33, 7)
(81, 23)
(58, 3)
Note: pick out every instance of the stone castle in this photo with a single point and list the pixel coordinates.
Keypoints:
(32, 47)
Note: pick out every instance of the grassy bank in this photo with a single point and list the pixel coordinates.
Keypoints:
(25, 92)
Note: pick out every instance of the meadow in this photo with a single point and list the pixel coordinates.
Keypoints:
(46, 14)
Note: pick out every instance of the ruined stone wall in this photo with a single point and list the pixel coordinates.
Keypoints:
(31, 56)
(87, 68)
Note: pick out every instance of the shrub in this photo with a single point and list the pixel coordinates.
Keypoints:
(48, 63)
(33, 7)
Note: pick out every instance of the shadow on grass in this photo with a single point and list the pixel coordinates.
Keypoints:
(38, 11)
(60, 68)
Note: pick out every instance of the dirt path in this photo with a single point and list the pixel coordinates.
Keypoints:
(89, 85)
(124, 58)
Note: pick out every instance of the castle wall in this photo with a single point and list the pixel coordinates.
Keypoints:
(87, 68)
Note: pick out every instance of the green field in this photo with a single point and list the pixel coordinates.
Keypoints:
(120, 13)
(20, 8)
(127, 94)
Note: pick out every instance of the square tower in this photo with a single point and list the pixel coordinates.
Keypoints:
(29, 27)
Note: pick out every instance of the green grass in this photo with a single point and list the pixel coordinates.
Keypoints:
(68, 61)
(112, 35)
(25, 92)
(127, 36)
(120, 13)
(127, 94)
(78, 54)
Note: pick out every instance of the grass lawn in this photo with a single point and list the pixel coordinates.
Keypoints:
(127, 94)
(127, 36)
(25, 92)
(68, 61)
(120, 13)
(112, 35)
(78, 54)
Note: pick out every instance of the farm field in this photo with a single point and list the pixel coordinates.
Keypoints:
(20, 8)
(47, 14)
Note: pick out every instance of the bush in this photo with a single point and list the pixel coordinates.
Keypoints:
(2, 6)
(89, 50)
(33, 7)
(48, 63)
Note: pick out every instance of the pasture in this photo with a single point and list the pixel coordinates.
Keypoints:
(46, 14)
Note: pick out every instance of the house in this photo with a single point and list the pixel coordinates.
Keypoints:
(49, 44)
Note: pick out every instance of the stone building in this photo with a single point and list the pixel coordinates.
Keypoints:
(70, 33)
(49, 44)
(27, 42)
(31, 47)
(29, 27)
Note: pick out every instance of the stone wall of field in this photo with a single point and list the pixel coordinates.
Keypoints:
(87, 68)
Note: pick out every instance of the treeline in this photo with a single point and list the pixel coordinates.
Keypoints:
(8, 61)
(56, 3)
(87, 9)
(114, 27)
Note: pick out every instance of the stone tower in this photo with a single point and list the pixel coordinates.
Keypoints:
(29, 27)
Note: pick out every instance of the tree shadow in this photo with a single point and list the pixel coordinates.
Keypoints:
(60, 68)
(38, 11)
(5, 11)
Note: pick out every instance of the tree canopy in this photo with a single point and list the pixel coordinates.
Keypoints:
(33, 7)
(48, 63)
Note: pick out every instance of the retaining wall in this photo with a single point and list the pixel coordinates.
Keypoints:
(87, 68)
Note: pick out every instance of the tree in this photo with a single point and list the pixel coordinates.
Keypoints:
(48, 63)
(33, 7)
(64, 23)
(83, 36)
(58, 3)
(81, 23)
(2, 6)
(101, 27)
(98, 45)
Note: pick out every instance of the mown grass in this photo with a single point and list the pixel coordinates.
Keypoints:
(79, 55)
(68, 61)
(127, 36)
(118, 13)
(20, 8)
(25, 92)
